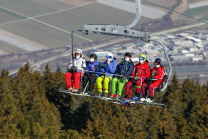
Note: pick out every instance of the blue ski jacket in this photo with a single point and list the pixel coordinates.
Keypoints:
(111, 68)
(91, 66)
(125, 68)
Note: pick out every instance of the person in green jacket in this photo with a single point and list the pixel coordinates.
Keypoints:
(125, 68)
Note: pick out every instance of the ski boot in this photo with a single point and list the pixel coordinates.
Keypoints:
(150, 100)
(118, 97)
(105, 95)
(100, 94)
(89, 93)
(70, 89)
(113, 95)
(143, 99)
(135, 98)
(75, 90)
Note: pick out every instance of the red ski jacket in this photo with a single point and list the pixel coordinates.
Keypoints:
(141, 70)
(159, 73)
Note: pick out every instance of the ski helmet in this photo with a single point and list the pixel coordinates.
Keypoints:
(94, 56)
(78, 51)
(109, 54)
(143, 56)
(127, 54)
(158, 60)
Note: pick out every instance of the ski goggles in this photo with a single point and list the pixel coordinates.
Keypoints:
(141, 58)
(156, 63)
(109, 56)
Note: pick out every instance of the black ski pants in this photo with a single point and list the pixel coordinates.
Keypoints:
(91, 78)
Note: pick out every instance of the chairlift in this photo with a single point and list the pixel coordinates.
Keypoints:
(124, 31)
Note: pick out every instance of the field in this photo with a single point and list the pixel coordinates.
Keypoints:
(164, 3)
(49, 22)
(196, 11)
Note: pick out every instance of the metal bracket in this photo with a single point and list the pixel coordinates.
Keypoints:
(116, 30)
(138, 14)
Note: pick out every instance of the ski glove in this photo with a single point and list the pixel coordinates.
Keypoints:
(95, 68)
(73, 69)
(133, 80)
(149, 78)
(123, 78)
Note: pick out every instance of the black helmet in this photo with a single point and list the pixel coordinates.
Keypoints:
(158, 60)
(127, 54)
(93, 55)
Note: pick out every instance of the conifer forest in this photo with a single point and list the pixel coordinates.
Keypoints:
(31, 108)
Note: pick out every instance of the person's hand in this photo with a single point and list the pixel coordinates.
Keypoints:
(95, 68)
(133, 80)
(149, 78)
(123, 78)
(108, 62)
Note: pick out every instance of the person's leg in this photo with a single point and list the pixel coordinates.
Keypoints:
(151, 89)
(138, 87)
(143, 89)
(121, 87)
(127, 88)
(99, 83)
(76, 78)
(68, 76)
(85, 80)
(91, 82)
(114, 85)
(106, 84)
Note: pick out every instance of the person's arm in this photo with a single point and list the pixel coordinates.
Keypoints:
(133, 73)
(112, 68)
(70, 64)
(84, 64)
(116, 72)
(130, 70)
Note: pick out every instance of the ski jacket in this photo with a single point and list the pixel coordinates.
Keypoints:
(141, 70)
(91, 66)
(158, 73)
(125, 68)
(79, 63)
(111, 68)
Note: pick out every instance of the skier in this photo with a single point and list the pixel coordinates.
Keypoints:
(91, 76)
(109, 66)
(78, 62)
(156, 73)
(124, 68)
(141, 70)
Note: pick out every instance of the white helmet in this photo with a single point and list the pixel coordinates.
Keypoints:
(109, 54)
(79, 51)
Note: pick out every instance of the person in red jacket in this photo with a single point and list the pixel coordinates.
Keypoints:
(142, 70)
(156, 73)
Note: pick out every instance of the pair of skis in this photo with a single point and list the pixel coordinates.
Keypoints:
(119, 101)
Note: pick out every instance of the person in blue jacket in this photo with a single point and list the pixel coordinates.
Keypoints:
(124, 68)
(91, 76)
(109, 66)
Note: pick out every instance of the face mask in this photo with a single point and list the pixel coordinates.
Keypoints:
(109, 59)
(141, 61)
(77, 57)
(157, 66)
(92, 60)
(127, 59)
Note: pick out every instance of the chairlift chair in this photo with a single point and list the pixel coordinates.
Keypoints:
(124, 31)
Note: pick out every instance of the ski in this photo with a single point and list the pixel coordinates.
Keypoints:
(69, 92)
(119, 101)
